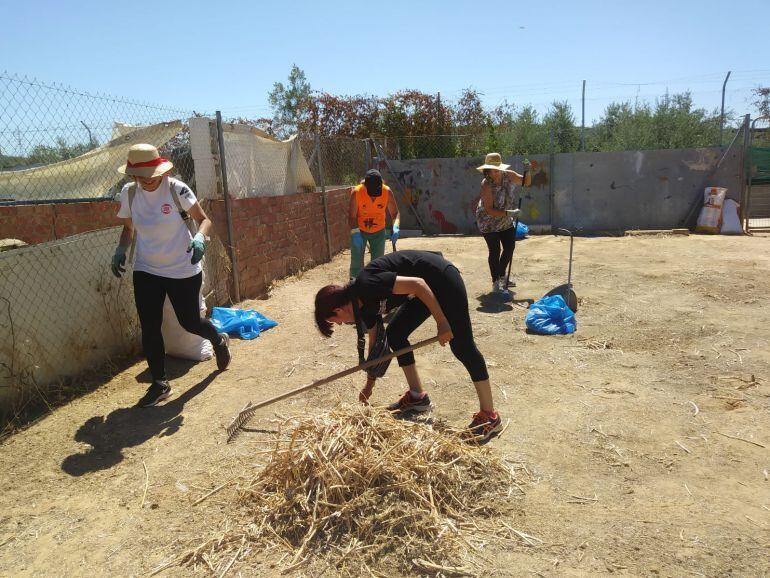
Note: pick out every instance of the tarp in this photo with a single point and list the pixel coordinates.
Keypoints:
(260, 166)
(88, 176)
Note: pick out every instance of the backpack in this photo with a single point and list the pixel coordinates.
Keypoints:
(189, 222)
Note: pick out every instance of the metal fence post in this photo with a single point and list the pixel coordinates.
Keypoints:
(551, 163)
(319, 158)
(367, 156)
(228, 209)
(746, 187)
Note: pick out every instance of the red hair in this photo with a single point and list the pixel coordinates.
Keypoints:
(328, 299)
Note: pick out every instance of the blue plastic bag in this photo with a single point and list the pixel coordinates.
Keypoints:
(245, 322)
(551, 316)
(521, 231)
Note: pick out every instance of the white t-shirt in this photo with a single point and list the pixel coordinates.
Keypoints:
(162, 237)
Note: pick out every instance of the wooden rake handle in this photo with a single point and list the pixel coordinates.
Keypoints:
(249, 410)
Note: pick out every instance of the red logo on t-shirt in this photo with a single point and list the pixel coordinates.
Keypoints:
(165, 209)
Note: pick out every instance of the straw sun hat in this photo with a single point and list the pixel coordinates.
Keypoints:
(493, 161)
(144, 161)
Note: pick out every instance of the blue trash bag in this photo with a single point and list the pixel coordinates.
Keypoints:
(521, 231)
(551, 316)
(244, 322)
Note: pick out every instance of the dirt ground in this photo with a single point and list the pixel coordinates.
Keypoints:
(646, 433)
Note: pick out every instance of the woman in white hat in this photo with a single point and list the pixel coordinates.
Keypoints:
(495, 215)
(155, 209)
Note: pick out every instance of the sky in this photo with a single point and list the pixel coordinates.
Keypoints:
(226, 55)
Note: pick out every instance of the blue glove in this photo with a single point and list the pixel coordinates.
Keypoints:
(356, 239)
(119, 261)
(198, 247)
(394, 235)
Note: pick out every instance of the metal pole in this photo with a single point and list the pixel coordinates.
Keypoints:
(228, 209)
(323, 194)
(748, 124)
(722, 115)
(583, 120)
(90, 138)
(551, 163)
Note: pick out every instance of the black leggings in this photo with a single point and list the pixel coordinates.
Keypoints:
(450, 293)
(499, 262)
(150, 293)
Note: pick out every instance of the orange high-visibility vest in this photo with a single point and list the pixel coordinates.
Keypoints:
(371, 210)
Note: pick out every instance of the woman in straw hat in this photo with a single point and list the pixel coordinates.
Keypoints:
(495, 215)
(155, 209)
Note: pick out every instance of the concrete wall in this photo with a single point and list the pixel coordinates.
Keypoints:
(591, 191)
(444, 192)
(62, 312)
(637, 189)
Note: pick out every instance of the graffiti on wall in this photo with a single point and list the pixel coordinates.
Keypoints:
(444, 193)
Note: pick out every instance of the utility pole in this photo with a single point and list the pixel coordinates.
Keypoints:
(722, 115)
(583, 121)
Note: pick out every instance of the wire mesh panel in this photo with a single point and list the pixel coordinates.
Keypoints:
(57, 143)
(61, 312)
(534, 140)
(345, 161)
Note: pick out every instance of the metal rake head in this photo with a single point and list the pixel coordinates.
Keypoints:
(238, 422)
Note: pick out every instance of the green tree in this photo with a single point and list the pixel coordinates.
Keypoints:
(528, 136)
(290, 102)
(678, 125)
(762, 100)
(560, 119)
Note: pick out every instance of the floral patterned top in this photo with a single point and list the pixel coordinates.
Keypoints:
(502, 199)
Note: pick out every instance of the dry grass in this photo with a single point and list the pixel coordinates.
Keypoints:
(358, 490)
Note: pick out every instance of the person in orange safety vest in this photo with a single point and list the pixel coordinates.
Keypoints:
(369, 201)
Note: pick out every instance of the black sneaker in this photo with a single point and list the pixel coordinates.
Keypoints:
(222, 352)
(482, 428)
(407, 404)
(157, 392)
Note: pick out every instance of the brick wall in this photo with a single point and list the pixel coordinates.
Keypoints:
(278, 236)
(273, 236)
(35, 224)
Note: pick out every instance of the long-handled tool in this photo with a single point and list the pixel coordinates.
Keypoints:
(247, 412)
(515, 233)
(565, 290)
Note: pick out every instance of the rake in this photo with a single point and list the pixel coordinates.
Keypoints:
(248, 411)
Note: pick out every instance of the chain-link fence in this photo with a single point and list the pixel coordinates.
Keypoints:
(344, 161)
(63, 314)
(57, 143)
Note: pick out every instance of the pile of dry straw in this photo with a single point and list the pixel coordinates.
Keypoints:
(358, 490)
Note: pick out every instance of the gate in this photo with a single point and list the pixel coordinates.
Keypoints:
(758, 179)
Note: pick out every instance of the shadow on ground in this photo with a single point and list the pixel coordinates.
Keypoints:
(127, 427)
(493, 303)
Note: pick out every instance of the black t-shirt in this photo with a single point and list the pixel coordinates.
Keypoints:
(374, 284)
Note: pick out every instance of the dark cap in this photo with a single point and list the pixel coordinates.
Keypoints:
(373, 183)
